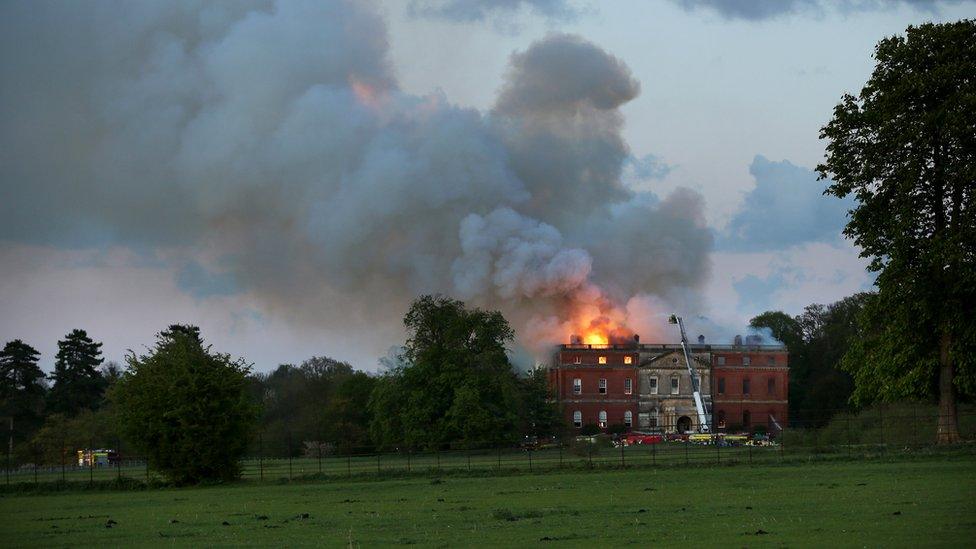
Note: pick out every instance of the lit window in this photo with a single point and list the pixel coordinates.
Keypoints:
(628, 419)
(721, 361)
(746, 361)
(721, 385)
(652, 385)
(745, 386)
(603, 386)
(577, 359)
(577, 419)
(770, 386)
(628, 386)
(603, 419)
(628, 360)
(674, 385)
(577, 386)
(603, 360)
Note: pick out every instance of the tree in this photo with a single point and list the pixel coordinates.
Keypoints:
(187, 408)
(538, 415)
(22, 387)
(78, 384)
(457, 384)
(347, 414)
(905, 148)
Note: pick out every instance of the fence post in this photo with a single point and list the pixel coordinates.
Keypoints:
(881, 415)
(750, 451)
(589, 453)
(849, 443)
(318, 444)
(289, 455)
(91, 462)
(499, 458)
(622, 463)
(118, 459)
(718, 449)
(686, 451)
(261, 456)
(560, 454)
(377, 463)
(349, 464)
(437, 456)
(782, 443)
(654, 453)
(530, 459)
(468, 452)
(408, 460)
(63, 450)
(147, 471)
(914, 424)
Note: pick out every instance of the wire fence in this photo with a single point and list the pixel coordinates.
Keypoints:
(277, 456)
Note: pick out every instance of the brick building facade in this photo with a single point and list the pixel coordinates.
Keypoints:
(647, 387)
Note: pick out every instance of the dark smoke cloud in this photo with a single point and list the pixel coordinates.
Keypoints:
(266, 148)
(757, 10)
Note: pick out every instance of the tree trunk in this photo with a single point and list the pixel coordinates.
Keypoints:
(948, 431)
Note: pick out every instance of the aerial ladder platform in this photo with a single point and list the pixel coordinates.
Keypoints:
(704, 417)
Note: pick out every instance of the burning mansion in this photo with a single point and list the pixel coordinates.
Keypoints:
(650, 388)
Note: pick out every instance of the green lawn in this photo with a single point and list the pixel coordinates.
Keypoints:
(901, 502)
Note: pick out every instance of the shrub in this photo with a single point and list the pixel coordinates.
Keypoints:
(187, 409)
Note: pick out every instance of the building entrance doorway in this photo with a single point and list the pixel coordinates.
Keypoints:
(684, 424)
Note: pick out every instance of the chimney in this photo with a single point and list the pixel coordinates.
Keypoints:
(737, 341)
(701, 339)
(637, 338)
(575, 340)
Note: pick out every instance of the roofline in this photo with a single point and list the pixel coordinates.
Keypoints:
(666, 347)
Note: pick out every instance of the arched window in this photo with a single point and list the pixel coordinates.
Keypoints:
(746, 418)
(577, 419)
(603, 419)
(628, 419)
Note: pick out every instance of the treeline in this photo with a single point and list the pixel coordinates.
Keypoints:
(453, 385)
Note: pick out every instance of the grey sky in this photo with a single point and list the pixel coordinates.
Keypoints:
(211, 201)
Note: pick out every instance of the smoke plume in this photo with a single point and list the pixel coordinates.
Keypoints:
(269, 143)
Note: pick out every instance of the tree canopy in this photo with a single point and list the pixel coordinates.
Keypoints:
(187, 408)
(457, 383)
(78, 385)
(905, 148)
(22, 387)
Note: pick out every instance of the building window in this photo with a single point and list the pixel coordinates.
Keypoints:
(652, 385)
(721, 361)
(577, 359)
(577, 419)
(628, 386)
(602, 360)
(674, 385)
(770, 386)
(745, 386)
(628, 360)
(654, 418)
(628, 419)
(721, 385)
(603, 386)
(603, 419)
(720, 419)
(746, 418)
(771, 360)
(746, 361)
(577, 386)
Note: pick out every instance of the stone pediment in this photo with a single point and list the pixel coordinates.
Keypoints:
(667, 360)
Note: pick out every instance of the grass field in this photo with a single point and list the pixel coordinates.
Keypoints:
(879, 503)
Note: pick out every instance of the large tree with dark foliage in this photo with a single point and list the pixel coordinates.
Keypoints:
(22, 387)
(905, 148)
(457, 384)
(78, 385)
(187, 408)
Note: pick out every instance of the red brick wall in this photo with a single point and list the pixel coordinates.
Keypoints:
(760, 402)
(590, 401)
